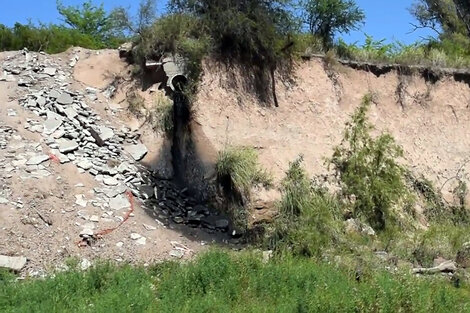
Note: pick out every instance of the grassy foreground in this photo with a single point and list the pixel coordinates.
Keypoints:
(221, 282)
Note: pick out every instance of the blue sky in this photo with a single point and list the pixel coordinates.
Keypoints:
(385, 19)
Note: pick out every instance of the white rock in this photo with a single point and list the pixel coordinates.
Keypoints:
(106, 133)
(40, 174)
(119, 202)
(119, 244)
(85, 264)
(73, 61)
(70, 113)
(50, 71)
(63, 158)
(37, 129)
(177, 253)
(95, 218)
(115, 107)
(267, 255)
(110, 181)
(80, 200)
(445, 267)
(15, 263)
(41, 101)
(58, 134)
(85, 164)
(51, 125)
(66, 146)
(38, 159)
(123, 168)
(149, 227)
(141, 241)
(3, 200)
(54, 94)
(135, 236)
(65, 98)
(87, 232)
(18, 162)
(138, 152)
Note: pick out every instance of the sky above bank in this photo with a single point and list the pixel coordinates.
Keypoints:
(385, 19)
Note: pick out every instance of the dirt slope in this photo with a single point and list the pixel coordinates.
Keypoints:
(45, 204)
(430, 120)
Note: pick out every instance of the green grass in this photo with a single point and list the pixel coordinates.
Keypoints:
(105, 288)
(441, 54)
(223, 282)
(309, 220)
(423, 246)
(136, 104)
(241, 166)
(161, 115)
(238, 171)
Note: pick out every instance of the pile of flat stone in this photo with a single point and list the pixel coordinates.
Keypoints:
(5, 134)
(75, 133)
(176, 206)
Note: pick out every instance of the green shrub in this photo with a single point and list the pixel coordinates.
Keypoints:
(255, 35)
(175, 34)
(90, 27)
(423, 246)
(436, 209)
(136, 104)
(309, 217)
(93, 21)
(244, 31)
(368, 170)
(305, 44)
(325, 18)
(48, 38)
(241, 167)
(434, 204)
(444, 53)
(238, 171)
(414, 54)
(371, 50)
(103, 288)
(296, 189)
(161, 115)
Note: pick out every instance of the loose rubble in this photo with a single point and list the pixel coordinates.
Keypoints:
(72, 132)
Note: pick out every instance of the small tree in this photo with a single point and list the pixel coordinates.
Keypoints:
(139, 24)
(91, 20)
(368, 170)
(327, 17)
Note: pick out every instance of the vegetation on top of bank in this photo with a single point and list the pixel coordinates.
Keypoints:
(87, 26)
(260, 36)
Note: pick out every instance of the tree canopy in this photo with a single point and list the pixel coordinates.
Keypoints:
(443, 16)
(90, 19)
(327, 17)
